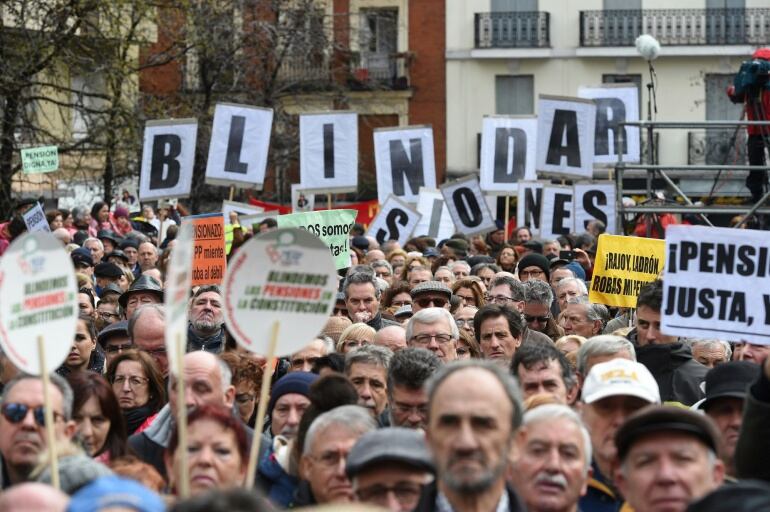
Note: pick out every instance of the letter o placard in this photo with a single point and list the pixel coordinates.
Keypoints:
(467, 207)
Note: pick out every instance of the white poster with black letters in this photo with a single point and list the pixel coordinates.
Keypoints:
(615, 104)
(565, 131)
(529, 202)
(168, 157)
(556, 217)
(240, 138)
(435, 220)
(508, 149)
(328, 152)
(595, 201)
(468, 207)
(405, 162)
(396, 220)
(714, 284)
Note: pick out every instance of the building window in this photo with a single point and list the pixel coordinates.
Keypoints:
(86, 104)
(514, 5)
(514, 95)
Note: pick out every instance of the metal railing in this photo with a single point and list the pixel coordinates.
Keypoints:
(379, 71)
(305, 69)
(680, 27)
(529, 29)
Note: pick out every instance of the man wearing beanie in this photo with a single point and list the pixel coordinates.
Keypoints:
(288, 400)
(534, 266)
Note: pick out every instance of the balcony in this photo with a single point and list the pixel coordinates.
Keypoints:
(303, 71)
(675, 27)
(378, 71)
(512, 30)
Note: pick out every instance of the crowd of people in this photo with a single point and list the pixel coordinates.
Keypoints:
(467, 374)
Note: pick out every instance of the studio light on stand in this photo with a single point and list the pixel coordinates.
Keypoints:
(649, 48)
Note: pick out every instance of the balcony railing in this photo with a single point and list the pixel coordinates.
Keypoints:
(303, 69)
(512, 30)
(678, 27)
(371, 70)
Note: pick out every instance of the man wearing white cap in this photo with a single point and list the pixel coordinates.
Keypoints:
(612, 391)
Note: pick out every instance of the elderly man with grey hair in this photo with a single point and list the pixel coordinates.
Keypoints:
(460, 269)
(538, 298)
(474, 410)
(367, 368)
(327, 444)
(383, 270)
(553, 459)
(710, 352)
(600, 349)
(570, 288)
(583, 318)
(434, 329)
(362, 298)
(22, 424)
(407, 398)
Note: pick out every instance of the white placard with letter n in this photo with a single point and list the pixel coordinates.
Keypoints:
(405, 162)
(529, 204)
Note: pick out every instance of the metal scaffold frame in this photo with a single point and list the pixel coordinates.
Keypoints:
(652, 169)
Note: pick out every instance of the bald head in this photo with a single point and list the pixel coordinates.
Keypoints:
(392, 337)
(31, 497)
(206, 381)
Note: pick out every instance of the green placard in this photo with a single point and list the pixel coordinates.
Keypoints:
(331, 226)
(39, 160)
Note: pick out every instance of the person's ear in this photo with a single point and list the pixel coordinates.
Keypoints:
(305, 467)
(229, 396)
(70, 428)
(572, 394)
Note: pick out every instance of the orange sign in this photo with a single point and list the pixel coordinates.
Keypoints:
(209, 258)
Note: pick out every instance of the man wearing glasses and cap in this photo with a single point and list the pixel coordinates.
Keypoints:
(430, 294)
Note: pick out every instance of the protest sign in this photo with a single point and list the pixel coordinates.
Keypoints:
(177, 292)
(467, 206)
(615, 104)
(209, 256)
(331, 226)
(435, 220)
(395, 221)
(240, 208)
(595, 201)
(39, 290)
(715, 284)
(168, 158)
(405, 161)
(240, 138)
(328, 152)
(529, 204)
(556, 212)
(622, 266)
(301, 199)
(508, 146)
(565, 131)
(34, 219)
(39, 160)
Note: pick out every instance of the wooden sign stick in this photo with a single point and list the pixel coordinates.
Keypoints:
(49, 419)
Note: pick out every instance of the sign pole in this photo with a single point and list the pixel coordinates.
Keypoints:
(49, 419)
(184, 476)
(264, 395)
(232, 192)
(329, 201)
(507, 216)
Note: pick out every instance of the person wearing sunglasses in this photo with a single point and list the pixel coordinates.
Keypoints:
(538, 298)
(430, 294)
(22, 423)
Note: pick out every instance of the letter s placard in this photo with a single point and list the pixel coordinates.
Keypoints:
(395, 221)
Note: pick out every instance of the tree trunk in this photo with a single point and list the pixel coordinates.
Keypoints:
(7, 146)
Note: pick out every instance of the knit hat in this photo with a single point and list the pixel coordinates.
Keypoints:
(295, 382)
(118, 492)
(536, 260)
(121, 212)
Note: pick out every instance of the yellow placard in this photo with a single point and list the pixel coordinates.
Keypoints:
(622, 266)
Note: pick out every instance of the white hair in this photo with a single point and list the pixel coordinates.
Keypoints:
(432, 316)
(551, 412)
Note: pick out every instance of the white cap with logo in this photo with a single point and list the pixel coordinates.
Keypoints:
(620, 377)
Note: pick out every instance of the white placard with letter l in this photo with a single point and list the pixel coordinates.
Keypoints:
(556, 217)
(328, 152)
(565, 131)
(168, 158)
(468, 207)
(405, 162)
(508, 150)
(396, 220)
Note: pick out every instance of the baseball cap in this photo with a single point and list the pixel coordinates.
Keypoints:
(620, 377)
(391, 444)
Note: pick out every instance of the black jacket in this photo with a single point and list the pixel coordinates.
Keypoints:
(678, 375)
(753, 449)
(378, 322)
(214, 344)
(427, 501)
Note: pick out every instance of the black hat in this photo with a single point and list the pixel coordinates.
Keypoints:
(129, 242)
(459, 246)
(729, 380)
(738, 496)
(80, 237)
(533, 245)
(393, 444)
(82, 255)
(112, 330)
(536, 260)
(665, 418)
(117, 253)
(111, 288)
(145, 228)
(480, 258)
(360, 242)
(146, 284)
(108, 270)
(107, 234)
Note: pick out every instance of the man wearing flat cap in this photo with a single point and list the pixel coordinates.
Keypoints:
(389, 467)
(430, 294)
(667, 458)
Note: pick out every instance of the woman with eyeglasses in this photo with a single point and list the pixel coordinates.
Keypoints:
(83, 354)
(469, 291)
(100, 425)
(217, 451)
(138, 385)
(247, 379)
(356, 335)
(396, 296)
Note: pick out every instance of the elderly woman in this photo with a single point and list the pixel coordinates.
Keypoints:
(100, 424)
(247, 379)
(217, 448)
(138, 385)
(355, 336)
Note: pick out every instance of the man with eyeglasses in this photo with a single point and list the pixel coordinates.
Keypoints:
(430, 294)
(534, 266)
(464, 318)
(304, 359)
(407, 399)
(22, 424)
(537, 309)
(114, 340)
(340, 307)
(434, 329)
(389, 468)
(147, 332)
